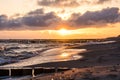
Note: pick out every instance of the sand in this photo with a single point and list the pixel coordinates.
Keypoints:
(100, 62)
(97, 55)
(91, 73)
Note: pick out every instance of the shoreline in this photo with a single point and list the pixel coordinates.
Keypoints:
(97, 54)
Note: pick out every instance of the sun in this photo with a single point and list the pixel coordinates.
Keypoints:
(63, 31)
(64, 55)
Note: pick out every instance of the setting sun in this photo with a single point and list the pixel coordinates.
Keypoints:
(64, 55)
(63, 32)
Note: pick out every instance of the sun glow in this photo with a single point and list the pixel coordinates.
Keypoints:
(64, 55)
(63, 32)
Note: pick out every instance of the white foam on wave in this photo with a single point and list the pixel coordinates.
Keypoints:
(51, 55)
(104, 42)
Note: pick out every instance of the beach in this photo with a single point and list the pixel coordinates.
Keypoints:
(101, 62)
(97, 54)
(103, 54)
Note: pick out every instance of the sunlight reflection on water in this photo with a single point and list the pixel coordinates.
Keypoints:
(52, 55)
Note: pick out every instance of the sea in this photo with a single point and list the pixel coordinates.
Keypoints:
(18, 53)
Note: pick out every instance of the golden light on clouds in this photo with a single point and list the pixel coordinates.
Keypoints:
(58, 34)
(48, 20)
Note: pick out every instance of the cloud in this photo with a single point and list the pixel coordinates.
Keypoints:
(32, 20)
(58, 3)
(6, 23)
(102, 1)
(38, 19)
(36, 12)
(69, 3)
(105, 16)
(3, 19)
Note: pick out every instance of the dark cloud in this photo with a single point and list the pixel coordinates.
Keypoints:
(69, 3)
(3, 20)
(108, 15)
(102, 1)
(34, 19)
(36, 12)
(39, 20)
(13, 23)
(58, 3)
(6, 23)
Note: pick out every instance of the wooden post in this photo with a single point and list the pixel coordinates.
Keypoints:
(33, 71)
(9, 72)
(56, 69)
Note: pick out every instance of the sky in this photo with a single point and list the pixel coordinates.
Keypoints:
(59, 19)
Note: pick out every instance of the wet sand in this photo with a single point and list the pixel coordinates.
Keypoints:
(101, 61)
(97, 55)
